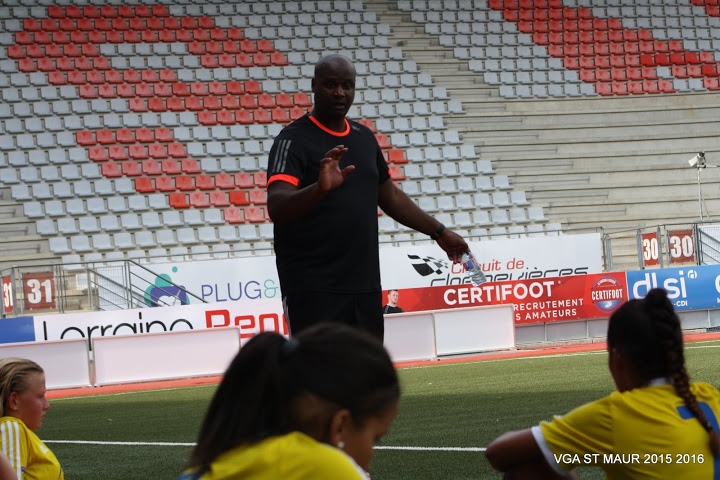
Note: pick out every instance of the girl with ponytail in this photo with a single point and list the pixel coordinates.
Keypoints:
(300, 409)
(656, 425)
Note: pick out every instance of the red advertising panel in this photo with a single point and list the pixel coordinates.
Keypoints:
(39, 289)
(7, 295)
(681, 246)
(650, 250)
(538, 300)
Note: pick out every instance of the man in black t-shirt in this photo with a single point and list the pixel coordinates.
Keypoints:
(326, 179)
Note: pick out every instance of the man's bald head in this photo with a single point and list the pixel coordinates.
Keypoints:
(333, 62)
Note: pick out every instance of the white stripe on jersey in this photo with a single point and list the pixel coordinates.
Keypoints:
(11, 445)
(278, 163)
(18, 457)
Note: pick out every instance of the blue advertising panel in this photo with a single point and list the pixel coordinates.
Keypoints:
(17, 329)
(689, 288)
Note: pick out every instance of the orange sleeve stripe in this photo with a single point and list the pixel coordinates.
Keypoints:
(284, 178)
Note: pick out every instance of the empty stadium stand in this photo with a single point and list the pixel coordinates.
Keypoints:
(143, 130)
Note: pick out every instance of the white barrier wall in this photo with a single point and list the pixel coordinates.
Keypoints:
(208, 351)
(410, 336)
(425, 335)
(66, 362)
(162, 356)
(472, 330)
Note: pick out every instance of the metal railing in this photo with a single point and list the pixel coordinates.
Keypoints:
(124, 284)
(121, 284)
(659, 246)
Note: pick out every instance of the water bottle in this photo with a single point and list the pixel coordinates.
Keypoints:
(472, 267)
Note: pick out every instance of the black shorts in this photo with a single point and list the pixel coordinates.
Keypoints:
(362, 311)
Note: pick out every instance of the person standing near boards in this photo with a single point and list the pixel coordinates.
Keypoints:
(327, 176)
(392, 306)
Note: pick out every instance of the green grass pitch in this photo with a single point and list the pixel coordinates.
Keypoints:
(145, 435)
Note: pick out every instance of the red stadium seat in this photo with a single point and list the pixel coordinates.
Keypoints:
(178, 200)
(219, 199)
(243, 180)
(243, 117)
(118, 152)
(157, 150)
(184, 182)
(603, 88)
(239, 197)
(296, 113)
(260, 179)
(199, 200)
(151, 167)
(396, 156)
(302, 99)
(254, 214)
(280, 115)
(189, 165)
(266, 100)
(131, 169)
(138, 152)
(111, 170)
(258, 197)
(204, 182)
(233, 215)
(224, 181)
(248, 102)
(278, 58)
(225, 117)
(587, 75)
(176, 150)
(711, 83)
(165, 184)
(144, 185)
(635, 87)
(105, 137)
(252, 86)
(170, 167)
(98, 154)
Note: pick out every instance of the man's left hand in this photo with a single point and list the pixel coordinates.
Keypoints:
(453, 244)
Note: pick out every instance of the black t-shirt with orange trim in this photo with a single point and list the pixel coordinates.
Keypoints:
(334, 246)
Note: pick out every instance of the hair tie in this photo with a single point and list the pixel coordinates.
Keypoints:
(289, 348)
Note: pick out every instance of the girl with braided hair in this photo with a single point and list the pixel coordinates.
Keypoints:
(656, 425)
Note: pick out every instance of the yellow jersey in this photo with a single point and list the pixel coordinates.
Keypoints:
(641, 433)
(28, 455)
(294, 456)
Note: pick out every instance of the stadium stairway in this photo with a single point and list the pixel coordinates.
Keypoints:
(588, 156)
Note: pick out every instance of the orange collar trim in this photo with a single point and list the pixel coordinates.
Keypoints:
(327, 130)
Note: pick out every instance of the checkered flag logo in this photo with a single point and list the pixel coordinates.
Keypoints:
(427, 265)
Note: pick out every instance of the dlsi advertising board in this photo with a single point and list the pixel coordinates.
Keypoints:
(689, 288)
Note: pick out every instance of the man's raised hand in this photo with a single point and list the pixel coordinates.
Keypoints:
(331, 176)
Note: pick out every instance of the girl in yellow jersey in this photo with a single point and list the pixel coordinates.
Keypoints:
(656, 425)
(309, 408)
(22, 410)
